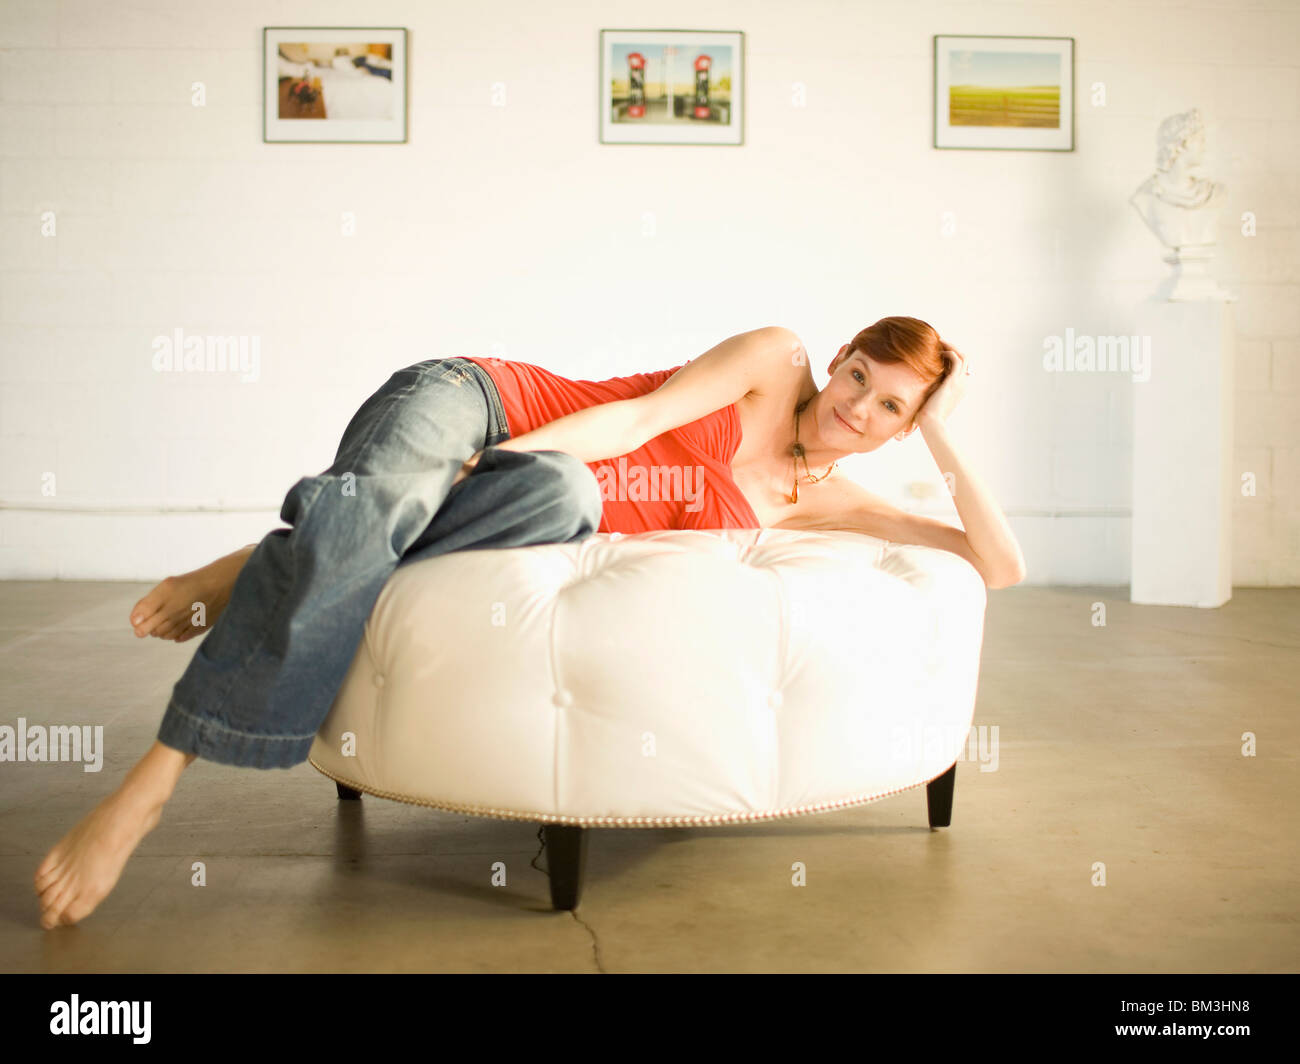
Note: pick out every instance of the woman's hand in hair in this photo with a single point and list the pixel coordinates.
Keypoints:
(949, 393)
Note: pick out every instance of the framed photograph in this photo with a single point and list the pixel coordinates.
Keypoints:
(672, 86)
(1010, 93)
(333, 84)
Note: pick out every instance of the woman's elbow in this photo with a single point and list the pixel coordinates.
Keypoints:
(1008, 577)
(1003, 569)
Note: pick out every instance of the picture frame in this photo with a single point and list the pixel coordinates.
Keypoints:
(700, 101)
(334, 84)
(1004, 93)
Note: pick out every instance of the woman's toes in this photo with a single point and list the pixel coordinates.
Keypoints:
(152, 618)
(142, 608)
(51, 891)
(76, 910)
(143, 618)
(46, 875)
(151, 600)
(52, 861)
(52, 908)
(170, 629)
(54, 891)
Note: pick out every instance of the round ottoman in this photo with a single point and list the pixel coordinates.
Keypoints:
(678, 678)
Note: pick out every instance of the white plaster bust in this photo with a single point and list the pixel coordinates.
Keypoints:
(1181, 207)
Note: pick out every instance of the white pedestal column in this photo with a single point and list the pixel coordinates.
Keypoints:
(1183, 478)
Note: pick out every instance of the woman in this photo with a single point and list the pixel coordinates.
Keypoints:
(739, 437)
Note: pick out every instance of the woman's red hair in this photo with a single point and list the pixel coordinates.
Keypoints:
(908, 340)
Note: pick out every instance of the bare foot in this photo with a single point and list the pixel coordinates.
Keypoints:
(168, 611)
(86, 863)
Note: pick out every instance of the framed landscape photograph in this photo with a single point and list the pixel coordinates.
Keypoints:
(671, 86)
(1012, 93)
(333, 84)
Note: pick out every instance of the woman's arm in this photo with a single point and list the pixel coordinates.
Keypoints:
(846, 506)
(718, 378)
(997, 554)
(601, 431)
(985, 540)
(989, 536)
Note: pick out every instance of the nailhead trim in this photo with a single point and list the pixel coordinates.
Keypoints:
(621, 821)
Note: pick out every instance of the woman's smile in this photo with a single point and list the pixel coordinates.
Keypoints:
(847, 426)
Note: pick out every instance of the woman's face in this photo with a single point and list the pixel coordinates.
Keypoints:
(867, 403)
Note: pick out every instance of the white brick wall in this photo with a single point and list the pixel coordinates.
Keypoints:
(512, 231)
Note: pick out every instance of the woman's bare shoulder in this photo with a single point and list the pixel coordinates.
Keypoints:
(785, 367)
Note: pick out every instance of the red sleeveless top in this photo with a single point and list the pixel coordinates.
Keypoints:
(680, 479)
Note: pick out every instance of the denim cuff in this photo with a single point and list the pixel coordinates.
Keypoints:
(213, 741)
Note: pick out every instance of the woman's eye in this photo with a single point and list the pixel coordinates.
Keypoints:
(857, 375)
(891, 407)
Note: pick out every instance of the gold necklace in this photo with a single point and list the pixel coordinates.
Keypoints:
(798, 453)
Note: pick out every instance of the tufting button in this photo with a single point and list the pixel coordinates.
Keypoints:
(775, 699)
(379, 679)
(616, 535)
(563, 698)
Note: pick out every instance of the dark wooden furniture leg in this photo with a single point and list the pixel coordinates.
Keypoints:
(347, 794)
(938, 798)
(566, 860)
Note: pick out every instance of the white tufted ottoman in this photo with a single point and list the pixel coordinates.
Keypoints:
(679, 678)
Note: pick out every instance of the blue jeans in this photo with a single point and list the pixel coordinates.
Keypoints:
(264, 678)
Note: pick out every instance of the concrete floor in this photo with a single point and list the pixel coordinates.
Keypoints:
(1118, 744)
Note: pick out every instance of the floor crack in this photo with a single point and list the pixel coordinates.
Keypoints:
(595, 943)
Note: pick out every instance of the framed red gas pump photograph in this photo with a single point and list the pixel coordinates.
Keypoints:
(671, 87)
